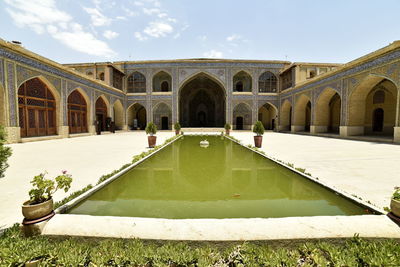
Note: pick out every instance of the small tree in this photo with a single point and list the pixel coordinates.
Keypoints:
(151, 129)
(5, 152)
(177, 126)
(227, 126)
(258, 128)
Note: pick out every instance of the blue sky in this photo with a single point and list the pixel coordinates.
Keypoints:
(112, 30)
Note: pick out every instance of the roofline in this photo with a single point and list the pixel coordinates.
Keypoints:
(358, 61)
(30, 54)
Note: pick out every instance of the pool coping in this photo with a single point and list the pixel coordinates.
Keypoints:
(230, 229)
(338, 191)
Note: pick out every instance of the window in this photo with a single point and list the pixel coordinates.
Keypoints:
(136, 83)
(267, 83)
(101, 76)
(379, 97)
(239, 86)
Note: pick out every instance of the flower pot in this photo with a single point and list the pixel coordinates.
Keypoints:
(395, 207)
(177, 132)
(258, 141)
(152, 140)
(36, 211)
(227, 132)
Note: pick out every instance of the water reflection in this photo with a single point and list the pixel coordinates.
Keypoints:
(224, 180)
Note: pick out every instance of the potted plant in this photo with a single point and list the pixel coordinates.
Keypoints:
(151, 130)
(40, 203)
(227, 128)
(258, 129)
(177, 128)
(395, 202)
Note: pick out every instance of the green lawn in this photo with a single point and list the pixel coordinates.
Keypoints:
(15, 250)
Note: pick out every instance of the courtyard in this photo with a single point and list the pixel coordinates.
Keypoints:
(365, 170)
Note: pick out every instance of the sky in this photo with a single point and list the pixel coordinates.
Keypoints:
(73, 31)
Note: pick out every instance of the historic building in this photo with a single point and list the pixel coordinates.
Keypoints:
(42, 99)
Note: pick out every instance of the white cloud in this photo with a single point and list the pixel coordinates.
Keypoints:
(110, 34)
(138, 3)
(233, 37)
(151, 11)
(129, 12)
(121, 18)
(81, 41)
(140, 36)
(202, 38)
(158, 29)
(97, 18)
(43, 16)
(213, 54)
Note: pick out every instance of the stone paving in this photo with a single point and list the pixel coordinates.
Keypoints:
(86, 158)
(365, 169)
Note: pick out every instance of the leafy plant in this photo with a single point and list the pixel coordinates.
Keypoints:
(258, 128)
(151, 129)
(43, 188)
(177, 126)
(396, 194)
(5, 152)
(227, 126)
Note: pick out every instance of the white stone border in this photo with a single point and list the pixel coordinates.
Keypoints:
(315, 180)
(238, 229)
(94, 189)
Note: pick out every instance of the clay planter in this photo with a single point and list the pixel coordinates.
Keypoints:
(177, 132)
(33, 212)
(258, 141)
(395, 207)
(152, 140)
(227, 132)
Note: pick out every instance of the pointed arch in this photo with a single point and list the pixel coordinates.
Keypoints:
(302, 113)
(162, 116)
(38, 107)
(362, 107)
(242, 82)
(162, 78)
(118, 112)
(201, 73)
(78, 108)
(136, 116)
(267, 83)
(102, 106)
(327, 111)
(202, 102)
(268, 115)
(285, 119)
(242, 116)
(136, 83)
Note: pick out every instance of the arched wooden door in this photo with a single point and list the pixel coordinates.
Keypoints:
(101, 113)
(377, 123)
(77, 113)
(37, 109)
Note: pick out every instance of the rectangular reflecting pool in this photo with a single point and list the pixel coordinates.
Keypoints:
(224, 180)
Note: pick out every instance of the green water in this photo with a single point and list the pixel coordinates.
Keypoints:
(224, 180)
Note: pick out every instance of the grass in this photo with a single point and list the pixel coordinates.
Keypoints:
(15, 250)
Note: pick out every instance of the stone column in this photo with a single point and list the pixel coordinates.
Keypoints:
(255, 96)
(149, 88)
(92, 113)
(228, 113)
(396, 133)
(175, 100)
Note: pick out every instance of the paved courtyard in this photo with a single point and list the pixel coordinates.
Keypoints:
(367, 170)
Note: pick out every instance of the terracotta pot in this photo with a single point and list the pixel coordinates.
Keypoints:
(227, 131)
(152, 140)
(177, 132)
(258, 141)
(395, 207)
(33, 212)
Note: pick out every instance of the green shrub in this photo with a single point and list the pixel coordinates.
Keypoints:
(177, 126)
(396, 193)
(258, 128)
(43, 188)
(227, 126)
(151, 128)
(5, 152)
